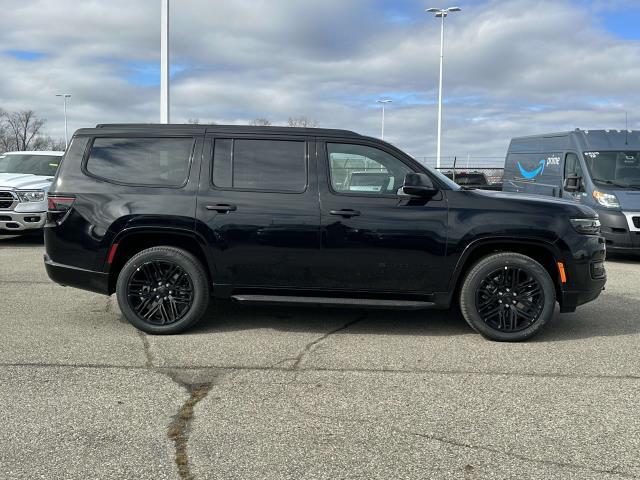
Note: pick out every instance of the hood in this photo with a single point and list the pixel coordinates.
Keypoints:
(629, 199)
(561, 204)
(24, 181)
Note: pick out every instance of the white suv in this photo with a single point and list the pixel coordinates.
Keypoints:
(25, 178)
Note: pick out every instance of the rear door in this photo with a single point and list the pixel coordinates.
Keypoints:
(258, 210)
(373, 239)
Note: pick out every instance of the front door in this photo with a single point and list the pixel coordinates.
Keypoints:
(258, 210)
(373, 239)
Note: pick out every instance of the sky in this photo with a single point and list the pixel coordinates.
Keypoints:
(511, 67)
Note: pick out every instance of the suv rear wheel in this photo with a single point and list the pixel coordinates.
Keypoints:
(507, 297)
(163, 290)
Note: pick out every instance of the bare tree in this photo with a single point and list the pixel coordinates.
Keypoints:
(6, 141)
(196, 121)
(302, 122)
(260, 122)
(21, 130)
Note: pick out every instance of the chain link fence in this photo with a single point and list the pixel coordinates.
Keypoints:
(477, 171)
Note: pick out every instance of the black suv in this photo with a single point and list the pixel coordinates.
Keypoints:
(169, 216)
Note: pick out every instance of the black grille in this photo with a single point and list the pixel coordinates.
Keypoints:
(6, 200)
(636, 222)
(5, 218)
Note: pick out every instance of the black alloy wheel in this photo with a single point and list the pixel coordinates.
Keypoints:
(510, 299)
(507, 297)
(160, 292)
(163, 290)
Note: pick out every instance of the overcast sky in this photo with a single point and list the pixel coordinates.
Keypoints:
(512, 67)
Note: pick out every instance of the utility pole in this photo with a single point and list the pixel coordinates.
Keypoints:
(164, 61)
(383, 103)
(66, 133)
(441, 13)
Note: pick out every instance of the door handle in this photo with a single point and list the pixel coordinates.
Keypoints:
(346, 212)
(222, 207)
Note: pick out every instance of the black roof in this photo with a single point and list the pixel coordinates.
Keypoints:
(198, 128)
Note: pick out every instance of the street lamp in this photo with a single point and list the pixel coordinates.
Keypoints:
(383, 103)
(164, 61)
(66, 135)
(441, 13)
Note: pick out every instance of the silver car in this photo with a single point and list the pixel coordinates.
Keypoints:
(25, 178)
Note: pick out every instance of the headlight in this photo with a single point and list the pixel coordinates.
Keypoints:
(606, 199)
(587, 226)
(32, 196)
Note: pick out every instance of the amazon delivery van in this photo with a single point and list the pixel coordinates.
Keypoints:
(598, 168)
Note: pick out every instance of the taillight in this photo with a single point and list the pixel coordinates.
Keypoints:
(59, 204)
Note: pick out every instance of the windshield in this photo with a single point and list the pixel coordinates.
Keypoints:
(45, 165)
(621, 169)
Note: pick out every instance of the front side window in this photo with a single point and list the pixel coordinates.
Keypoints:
(141, 161)
(269, 165)
(572, 168)
(620, 169)
(364, 170)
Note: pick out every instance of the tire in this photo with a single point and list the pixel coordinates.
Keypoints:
(490, 305)
(181, 298)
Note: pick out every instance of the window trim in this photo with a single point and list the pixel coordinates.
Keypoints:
(327, 163)
(89, 147)
(233, 138)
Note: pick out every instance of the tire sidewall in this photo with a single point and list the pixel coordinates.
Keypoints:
(489, 264)
(190, 265)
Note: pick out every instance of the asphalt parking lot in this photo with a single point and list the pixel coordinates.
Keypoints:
(294, 393)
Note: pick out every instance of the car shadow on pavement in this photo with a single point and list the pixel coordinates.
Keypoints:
(227, 316)
(26, 240)
(611, 319)
(614, 317)
(627, 258)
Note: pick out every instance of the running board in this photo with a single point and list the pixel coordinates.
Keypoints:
(333, 301)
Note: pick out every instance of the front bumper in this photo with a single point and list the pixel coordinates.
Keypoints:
(21, 222)
(619, 230)
(586, 274)
(66, 275)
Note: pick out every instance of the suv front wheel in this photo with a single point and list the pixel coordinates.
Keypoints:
(163, 290)
(507, 297)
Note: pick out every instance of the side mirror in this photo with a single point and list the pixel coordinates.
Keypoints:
(418, 185)
(572, 183)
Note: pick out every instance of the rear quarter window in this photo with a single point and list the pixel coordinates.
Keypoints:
(260, 165)
(141, 161)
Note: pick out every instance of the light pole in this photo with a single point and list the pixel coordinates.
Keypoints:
(164, 61)
(383, 103)
(441, 13)
(66, 135)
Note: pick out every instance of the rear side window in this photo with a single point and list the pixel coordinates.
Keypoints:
(141, 161)
(271, 165)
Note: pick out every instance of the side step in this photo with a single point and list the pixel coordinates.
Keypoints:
(333, 302)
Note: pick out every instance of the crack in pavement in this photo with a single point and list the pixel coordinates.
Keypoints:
(570, 466)
(179, 429)
(404, 371)
(147, 351)
(312, 346)
(459, 444)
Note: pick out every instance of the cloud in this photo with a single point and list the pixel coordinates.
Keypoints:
(512, 67)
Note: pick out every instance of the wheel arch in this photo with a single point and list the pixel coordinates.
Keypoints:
(545, 253)
(132, 241)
